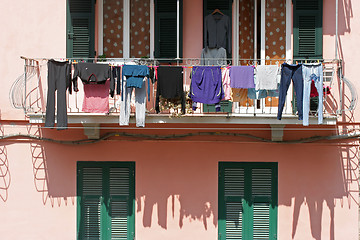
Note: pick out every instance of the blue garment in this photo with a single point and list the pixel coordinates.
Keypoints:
(206, 85)
(262, 93)
(288, 72)
(312, 72)
(135, 75)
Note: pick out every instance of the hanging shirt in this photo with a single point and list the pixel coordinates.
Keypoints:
(226, 83)
(170, 85)
(217, 31)
(267, 77)
(93, 73)
(96, 98)
(135, 75)
(242, 77)
(213, 57)
(206, 86)
(239, 94)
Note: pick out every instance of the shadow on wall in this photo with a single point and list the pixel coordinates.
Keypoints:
(5, 177)
(185, 191)
(345, 15)
(177, 181)
(40, 170)
(330, 184)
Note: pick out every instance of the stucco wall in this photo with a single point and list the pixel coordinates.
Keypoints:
(177, 186)
(176, 182)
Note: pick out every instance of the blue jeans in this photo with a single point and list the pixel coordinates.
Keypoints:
(312, 72)
(288, 72)
(140, 104)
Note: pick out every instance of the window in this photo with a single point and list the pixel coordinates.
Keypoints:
(168, 28)
(80, 24)
(126, 28)
(247, 201)
(105, 200)
(308, 29)
(225, 7)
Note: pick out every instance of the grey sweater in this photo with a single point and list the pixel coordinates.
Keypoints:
(213, 57)
(217, 31)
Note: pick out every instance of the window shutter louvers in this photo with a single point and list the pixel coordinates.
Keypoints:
(247, 201)
(81, 28)
(261, 194)
(92, 201)
(307, 28)
(119, 202)
(166, 29)
(107, 194)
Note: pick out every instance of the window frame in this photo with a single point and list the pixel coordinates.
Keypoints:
(247, 220)
(105, 219)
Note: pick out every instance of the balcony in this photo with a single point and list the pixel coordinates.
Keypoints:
(29, 93)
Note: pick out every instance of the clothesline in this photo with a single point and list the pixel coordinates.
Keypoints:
(186, 62)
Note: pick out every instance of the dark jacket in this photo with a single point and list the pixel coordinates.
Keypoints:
(217, 31)
(93, 73)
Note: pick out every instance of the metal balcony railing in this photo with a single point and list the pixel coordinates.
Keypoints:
(29, 90)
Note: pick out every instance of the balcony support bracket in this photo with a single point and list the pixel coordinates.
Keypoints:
(277, 132)
(92, 130)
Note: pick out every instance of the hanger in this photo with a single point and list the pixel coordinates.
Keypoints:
(217, 11)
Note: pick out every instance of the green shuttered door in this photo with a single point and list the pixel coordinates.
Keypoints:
(106, 200)
(308, 28)
(247, 201)
(166, 28)
(80, 29)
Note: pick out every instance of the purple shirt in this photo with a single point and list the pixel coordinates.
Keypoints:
(206, 86)
(242, 77)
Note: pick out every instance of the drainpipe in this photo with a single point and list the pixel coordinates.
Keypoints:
(336, 28)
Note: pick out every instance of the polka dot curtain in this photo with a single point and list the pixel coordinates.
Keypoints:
(246, 29)
(140, 28)
(113, 28)
(275, 29)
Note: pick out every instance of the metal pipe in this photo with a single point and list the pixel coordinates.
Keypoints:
(336, 28)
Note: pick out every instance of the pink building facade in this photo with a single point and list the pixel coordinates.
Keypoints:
(241, 174)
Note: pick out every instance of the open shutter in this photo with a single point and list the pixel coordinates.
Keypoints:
(247, 201)
(166, 29)
(121, 202)
(91, 194)
(80, 29)
(308, 29)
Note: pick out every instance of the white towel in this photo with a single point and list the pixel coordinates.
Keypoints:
(267, 77)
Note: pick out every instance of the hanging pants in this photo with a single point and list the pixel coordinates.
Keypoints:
(312, 72)
(140, 104)
(288, 72)
(59, 75)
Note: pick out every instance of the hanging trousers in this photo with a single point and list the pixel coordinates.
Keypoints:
(140, 104)
(59, 79)
(312, 72)
(291, 72)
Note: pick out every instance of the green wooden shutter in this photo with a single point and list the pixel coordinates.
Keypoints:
(308, 29)
(121, 203)
(91, 194)
(261, 200)
(106, 200)
(247, 201)
(166, 28)
(80, 29)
